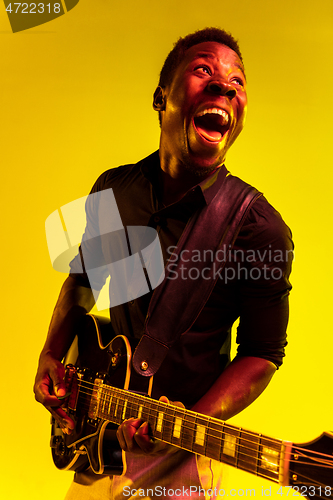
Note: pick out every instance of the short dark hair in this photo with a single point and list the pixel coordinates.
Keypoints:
(176, 55)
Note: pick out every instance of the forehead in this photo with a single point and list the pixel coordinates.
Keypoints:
(215, 52)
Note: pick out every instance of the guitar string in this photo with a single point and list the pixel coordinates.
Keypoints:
(262, 474)
(136, 398)
(151, 402)
(310, 481)
(240, 452)
(257, 461)
(184, 411)
(216, 437)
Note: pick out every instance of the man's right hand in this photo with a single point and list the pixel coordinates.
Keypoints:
(49, 386)
(73, 303)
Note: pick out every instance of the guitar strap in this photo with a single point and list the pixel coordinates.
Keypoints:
(176, 303)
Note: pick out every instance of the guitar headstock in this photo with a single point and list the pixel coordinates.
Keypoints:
(311, 467)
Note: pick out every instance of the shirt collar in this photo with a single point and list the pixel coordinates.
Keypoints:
(211, 185)
(208, 187)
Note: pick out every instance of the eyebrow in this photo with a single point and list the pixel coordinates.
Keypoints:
(211, 55)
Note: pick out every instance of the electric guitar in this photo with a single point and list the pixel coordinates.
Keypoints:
(104, 391)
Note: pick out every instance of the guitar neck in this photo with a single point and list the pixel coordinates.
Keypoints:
(194, 432)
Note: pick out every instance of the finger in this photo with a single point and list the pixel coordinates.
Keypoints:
(179, 404)
(65, 422)
(143, 438)
(164, 399)
(126, 433)
(57, 374)
(149, 445)
(44, 393)
(121, 439)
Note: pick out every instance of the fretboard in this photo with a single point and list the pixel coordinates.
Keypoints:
(194, 432)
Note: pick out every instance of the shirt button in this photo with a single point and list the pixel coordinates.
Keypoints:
(131, 302)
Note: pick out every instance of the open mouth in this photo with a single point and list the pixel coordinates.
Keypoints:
(212, 124)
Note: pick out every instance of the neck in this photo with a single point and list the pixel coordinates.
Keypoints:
(176, 178)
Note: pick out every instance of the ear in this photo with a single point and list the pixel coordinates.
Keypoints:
(159, 99)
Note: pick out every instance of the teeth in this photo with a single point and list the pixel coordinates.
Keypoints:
(215, 111)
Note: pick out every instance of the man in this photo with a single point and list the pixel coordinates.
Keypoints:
(201, 100)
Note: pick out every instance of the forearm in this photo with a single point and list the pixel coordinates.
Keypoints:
(74, 302)
(237, 387)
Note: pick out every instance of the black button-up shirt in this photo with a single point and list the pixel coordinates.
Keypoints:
(254, 285)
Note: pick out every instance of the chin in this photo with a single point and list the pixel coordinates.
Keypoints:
(200, 167)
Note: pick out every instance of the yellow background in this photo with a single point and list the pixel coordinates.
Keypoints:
(75, 99)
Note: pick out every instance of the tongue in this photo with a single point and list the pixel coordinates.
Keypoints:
(208, 126)
(210, 135)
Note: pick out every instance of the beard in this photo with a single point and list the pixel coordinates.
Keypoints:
(193, 165)
(200, 172)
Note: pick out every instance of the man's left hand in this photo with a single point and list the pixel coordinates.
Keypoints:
(134, 436)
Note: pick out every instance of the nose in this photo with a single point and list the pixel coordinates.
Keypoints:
(222, 88)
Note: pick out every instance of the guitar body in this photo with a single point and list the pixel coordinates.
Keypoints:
(93, 441)
(104, 391)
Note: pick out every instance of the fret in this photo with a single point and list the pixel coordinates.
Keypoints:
(200, 434)
(214, 439)
(113, 407)
(159, 424)
(269, 458)
(157, 418)
(123, 415)
(188, 430)
(149, 417)
(117, 408)
(104, 402)
(131, 407)
(178, 425)
(177, 428)
(229, 453)
(139, 415)
(148, 408)
(248, 450)
(110, 402)
(168, 424)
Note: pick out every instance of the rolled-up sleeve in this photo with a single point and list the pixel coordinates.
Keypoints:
(264, 285)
